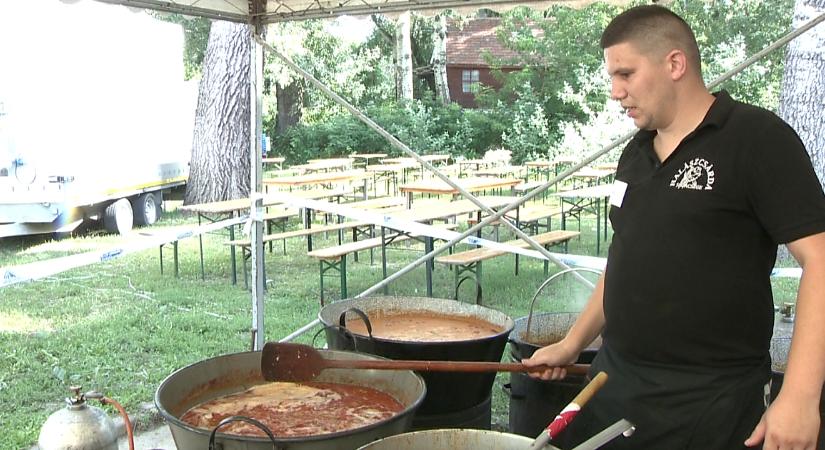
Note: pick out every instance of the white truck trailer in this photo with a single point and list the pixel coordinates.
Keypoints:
(95, 117)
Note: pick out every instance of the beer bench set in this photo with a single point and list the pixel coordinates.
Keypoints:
(468, 263)
(358, 228)
(333, 259)
(221, 210)
(529, 218)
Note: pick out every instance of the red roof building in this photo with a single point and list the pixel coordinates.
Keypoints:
(467, 66)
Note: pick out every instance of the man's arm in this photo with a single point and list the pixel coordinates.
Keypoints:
(792, 421)
(586, 328)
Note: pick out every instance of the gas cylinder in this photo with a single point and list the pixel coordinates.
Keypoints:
(78, 426)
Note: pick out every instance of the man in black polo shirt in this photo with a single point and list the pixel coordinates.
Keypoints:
(705, 192)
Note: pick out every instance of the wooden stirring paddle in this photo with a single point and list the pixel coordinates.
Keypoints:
(299, 362)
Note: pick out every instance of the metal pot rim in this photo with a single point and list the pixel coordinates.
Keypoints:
(168, 417)
(507, 326)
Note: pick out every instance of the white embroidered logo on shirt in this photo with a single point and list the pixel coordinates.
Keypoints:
(696, 174)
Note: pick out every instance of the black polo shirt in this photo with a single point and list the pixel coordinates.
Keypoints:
(688, 274)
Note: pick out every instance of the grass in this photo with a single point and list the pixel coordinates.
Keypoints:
(120, 327)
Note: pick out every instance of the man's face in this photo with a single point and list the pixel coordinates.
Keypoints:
(641, 84)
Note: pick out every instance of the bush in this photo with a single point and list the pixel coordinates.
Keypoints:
(426, 126)
(529, 133)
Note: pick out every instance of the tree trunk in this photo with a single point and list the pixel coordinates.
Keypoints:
(290, 105)
(219, 169)
(803, 83)
(803, 88)
(439, 60)
(403, 50)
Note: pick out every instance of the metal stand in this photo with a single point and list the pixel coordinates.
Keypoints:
(607, 435)
(603, 437)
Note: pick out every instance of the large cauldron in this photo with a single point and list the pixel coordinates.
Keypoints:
(451, 440)
(446, 392)
(236, 372)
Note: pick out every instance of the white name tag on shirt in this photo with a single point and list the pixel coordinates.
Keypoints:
(617, 196)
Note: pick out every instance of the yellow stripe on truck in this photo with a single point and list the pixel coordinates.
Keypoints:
(139, 187)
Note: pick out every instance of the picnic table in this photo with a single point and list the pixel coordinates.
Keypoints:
(429, 158)
(467, 264)
(412, 162)
(322, 179)
(592, 176)
(472, 184)
(476, 164)
(388, 173)
(358, 228)
(501, 171)
(334, 258)
(587, 199)
(325, 164)
(546, 167)
(220, 210)
(276, 161)
(367, 156)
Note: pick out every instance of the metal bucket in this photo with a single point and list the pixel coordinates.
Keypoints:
(545, 329)
(451, 440)
(232, 373)
(446, 392)
(534, 403)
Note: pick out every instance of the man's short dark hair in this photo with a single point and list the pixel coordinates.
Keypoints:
(654, 30)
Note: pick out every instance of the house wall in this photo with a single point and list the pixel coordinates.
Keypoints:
(467, 99)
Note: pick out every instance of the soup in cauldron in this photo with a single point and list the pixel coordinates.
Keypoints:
(424, 326)
(296, 409)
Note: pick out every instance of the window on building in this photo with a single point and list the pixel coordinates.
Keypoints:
(469, 81)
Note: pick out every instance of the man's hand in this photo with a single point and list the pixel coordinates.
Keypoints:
(556, 356)
(788, 424)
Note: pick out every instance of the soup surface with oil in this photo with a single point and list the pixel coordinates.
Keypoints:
(296, 409)
(423, 326)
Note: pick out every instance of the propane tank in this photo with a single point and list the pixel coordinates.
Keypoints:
(78, 426)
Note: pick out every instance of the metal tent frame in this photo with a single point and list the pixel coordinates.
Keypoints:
(272, 11)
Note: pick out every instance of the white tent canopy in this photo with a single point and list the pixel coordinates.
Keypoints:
(270, 11)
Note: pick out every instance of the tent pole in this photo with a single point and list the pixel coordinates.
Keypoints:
(256, 211)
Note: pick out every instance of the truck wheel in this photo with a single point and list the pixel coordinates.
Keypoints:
(146, 209)
(117, 218)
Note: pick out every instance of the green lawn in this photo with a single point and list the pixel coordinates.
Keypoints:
(120, 327)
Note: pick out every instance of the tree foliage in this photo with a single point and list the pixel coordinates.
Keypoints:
(563, 76)
(427, 126)
(729, 31)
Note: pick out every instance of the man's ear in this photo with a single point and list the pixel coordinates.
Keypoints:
(677, 64)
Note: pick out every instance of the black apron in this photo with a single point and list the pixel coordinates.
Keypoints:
(672, 408)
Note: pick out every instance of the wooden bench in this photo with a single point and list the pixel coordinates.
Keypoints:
(246, 244)
(280, 215)
(468, 263)
(526, 187)
(377, 203)
(530, 218)
(335, 258)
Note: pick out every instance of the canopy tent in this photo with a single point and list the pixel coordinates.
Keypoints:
(271, 11)
(260, 12)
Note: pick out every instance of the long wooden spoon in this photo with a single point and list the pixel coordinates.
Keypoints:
(299, 362)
